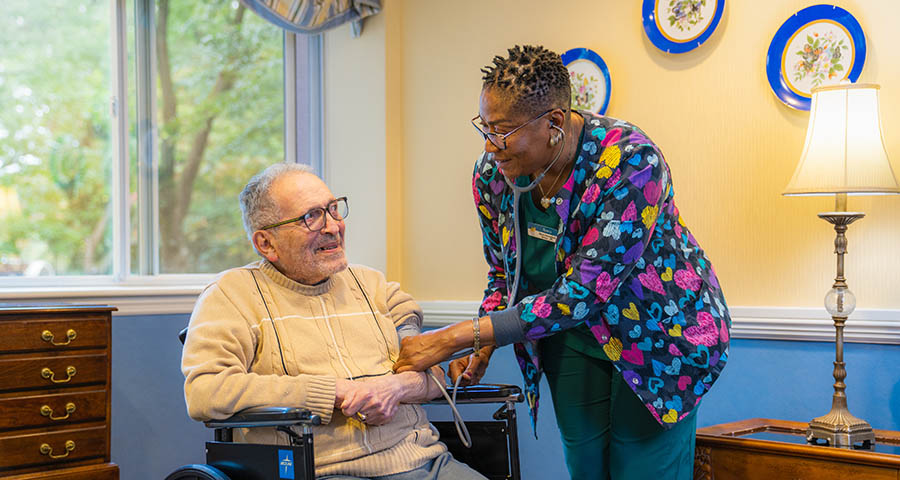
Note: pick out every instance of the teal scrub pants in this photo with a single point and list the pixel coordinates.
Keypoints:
(607, 433)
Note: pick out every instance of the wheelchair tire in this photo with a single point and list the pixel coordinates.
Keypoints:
(197, 471)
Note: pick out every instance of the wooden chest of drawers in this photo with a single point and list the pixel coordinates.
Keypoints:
(54, 392)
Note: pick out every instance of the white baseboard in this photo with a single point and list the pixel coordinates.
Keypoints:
(768, 323)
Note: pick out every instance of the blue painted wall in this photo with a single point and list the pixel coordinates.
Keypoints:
(151, 432)
(152, 435)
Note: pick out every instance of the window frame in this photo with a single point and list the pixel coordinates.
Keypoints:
(141, 293)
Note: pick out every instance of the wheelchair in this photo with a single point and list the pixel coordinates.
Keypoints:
(494, 451)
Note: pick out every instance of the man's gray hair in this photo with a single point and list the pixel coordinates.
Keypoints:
(258, 209)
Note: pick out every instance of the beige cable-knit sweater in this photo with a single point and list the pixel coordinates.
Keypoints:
(231, 361)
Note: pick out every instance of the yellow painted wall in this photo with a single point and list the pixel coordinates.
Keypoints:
(355, 135)
(732, 146)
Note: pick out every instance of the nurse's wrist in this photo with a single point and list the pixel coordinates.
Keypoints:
(506, 327)
(462, 335)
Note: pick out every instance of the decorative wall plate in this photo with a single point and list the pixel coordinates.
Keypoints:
(589, 78)
(678, 26)
(819, 45)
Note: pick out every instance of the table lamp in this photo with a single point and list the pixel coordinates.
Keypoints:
(844, 154)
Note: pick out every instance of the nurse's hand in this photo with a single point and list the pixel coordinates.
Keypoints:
(471, 368)
(418, 352)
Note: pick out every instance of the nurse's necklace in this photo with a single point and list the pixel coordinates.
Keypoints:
(545, 200)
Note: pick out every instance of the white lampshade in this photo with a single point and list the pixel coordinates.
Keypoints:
(844, 151)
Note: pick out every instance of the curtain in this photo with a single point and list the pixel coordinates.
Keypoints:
(314, 16)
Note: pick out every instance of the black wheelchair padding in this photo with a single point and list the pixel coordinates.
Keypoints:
(484, 393)
(489, 454)
(267, 417)
(495, 444)
(249, 461)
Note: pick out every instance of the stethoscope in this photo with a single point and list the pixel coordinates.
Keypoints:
(461, 429)
(517, 193)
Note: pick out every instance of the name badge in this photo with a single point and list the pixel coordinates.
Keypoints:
(542, 232)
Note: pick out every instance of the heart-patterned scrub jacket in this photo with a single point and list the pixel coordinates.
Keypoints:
(629, 268)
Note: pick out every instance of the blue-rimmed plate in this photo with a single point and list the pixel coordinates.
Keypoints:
(678, 26)
(589, 78)
(819, 45)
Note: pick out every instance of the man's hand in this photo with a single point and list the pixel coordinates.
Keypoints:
(376, 399)
(471, 368)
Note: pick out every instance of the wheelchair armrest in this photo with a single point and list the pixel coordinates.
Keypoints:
(267, 417)
(484, 393)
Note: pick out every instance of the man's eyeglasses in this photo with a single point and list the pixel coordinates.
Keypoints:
(499, 139)
(315, 218)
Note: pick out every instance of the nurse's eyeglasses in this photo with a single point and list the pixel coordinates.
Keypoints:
(315, 218)
(499, 139)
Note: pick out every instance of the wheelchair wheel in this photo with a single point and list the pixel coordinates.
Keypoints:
(197, 471)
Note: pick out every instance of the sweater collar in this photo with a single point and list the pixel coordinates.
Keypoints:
(279, 278)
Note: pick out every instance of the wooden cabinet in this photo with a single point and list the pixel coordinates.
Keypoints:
(54, 392)
(765, 449)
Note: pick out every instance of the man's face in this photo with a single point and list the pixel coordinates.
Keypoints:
(300, 254)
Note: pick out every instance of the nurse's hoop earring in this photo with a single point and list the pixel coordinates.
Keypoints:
(554, 139)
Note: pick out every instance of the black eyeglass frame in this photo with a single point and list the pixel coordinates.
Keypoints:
(503, 136)
(334, 204)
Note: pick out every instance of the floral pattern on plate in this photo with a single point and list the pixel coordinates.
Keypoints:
(819, 45)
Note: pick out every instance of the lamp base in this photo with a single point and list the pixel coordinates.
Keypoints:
(841, 218)
(839, 428)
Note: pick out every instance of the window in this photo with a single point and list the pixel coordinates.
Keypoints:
(92, 196)
(55, 139)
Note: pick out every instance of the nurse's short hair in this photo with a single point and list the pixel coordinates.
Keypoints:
(531, 77)
(258, 209)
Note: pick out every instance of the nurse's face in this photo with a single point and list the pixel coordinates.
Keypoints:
(526, 136)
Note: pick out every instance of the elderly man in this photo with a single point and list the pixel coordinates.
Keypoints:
(299, 328)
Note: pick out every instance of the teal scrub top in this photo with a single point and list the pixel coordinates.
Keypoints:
(539, 268)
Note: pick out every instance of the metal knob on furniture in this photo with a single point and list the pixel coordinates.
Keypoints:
(46, 411)
(48, 336)
(46, 449)
(48, 374)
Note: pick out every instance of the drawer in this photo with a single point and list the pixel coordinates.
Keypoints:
(52, 448)
(54, 409)
(24, 335)
(50, 372)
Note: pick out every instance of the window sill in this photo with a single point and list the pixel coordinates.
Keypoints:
(129, 299)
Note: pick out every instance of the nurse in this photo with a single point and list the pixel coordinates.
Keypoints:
(593, 276)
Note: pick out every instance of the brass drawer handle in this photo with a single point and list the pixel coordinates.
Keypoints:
(47, 336)
(48, 450)
(48, 412)
(47, 373)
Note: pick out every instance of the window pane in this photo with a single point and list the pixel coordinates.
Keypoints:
(220, 108)
(55, 147)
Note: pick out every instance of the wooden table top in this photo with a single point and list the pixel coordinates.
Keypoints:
(789, 437)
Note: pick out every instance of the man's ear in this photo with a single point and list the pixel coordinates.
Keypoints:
(262, 240)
